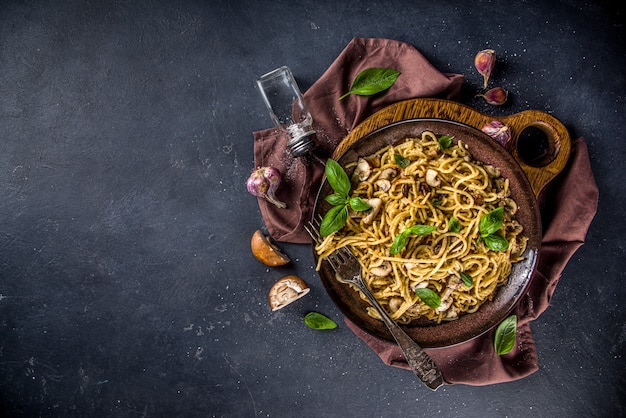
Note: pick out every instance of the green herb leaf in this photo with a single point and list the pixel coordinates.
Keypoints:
(496, 242)
(337, 178)
(429, 297)
(334, 220)
(436, 202)
(467, 279)
(504, 339)
(445, 141)
(401, 161)
(335, 199)
(454, 225)
(371, 81)
(491, 222)
(316, 320)
(358, 204)
(400, 241)
(420, 230)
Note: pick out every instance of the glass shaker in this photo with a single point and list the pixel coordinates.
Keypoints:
(287, 109)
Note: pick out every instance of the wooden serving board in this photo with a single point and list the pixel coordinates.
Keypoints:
(539, 173)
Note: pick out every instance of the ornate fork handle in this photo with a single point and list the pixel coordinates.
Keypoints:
(421, 363)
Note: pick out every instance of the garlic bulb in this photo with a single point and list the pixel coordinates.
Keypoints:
(263, 182)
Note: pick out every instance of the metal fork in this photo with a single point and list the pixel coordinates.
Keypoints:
(348, 270)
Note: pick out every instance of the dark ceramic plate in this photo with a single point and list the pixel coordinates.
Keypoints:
(427, 333)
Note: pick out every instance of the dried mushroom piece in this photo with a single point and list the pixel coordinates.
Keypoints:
(287, 290)
(432, 178)
(267, 252)
(375, 205)
(363, 170)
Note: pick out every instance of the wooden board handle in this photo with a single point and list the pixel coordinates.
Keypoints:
(530, 130)
(541, 145)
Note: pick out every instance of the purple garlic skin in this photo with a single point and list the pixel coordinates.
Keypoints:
(496, 96)
(263, 182)
(498, 131)
(484, 62)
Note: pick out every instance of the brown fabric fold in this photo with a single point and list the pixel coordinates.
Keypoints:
(568, 204)
(333, 119)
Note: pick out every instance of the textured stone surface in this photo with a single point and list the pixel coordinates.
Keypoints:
(127, 287)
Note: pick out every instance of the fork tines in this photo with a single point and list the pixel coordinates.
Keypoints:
(313, 229)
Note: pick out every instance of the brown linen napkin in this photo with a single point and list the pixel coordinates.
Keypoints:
(568, 206)
(333, 119)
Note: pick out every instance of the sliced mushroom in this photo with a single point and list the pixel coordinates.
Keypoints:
(383, 185)
(446, 300)
(502, 185)
(515, 227)
(410, 265)
(421, 285)
(453, 313)
(510, 206)
(395, 304)
(432, 178)
(266, 251)
(446, 296)
(492, 171)
(287, 290)
(382, 270)
(363, 170)
(388, 174)
(375, 204)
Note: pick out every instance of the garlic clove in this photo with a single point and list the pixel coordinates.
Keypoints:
(496, 96)
(484, 62)
(498, 131)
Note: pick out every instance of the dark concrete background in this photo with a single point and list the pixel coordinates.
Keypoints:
(127, 287)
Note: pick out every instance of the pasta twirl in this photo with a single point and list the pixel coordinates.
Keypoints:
(416, 182)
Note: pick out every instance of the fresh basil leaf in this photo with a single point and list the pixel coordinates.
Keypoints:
(316, 320)
(454, 225)
(421, 229)
(358, 204)
(445, 141)
(335, 199)
(337, 178)
(491, 222)
(467, 279)
(496, 242)
(371, 81)
(504, 339)
(429, 297)
(401, 161)
(334, 220)
(398, 243)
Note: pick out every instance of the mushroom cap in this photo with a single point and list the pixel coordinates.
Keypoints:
(285, 291)
(267, 252)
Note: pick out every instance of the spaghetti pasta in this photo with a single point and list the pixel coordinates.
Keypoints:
(421, 182)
